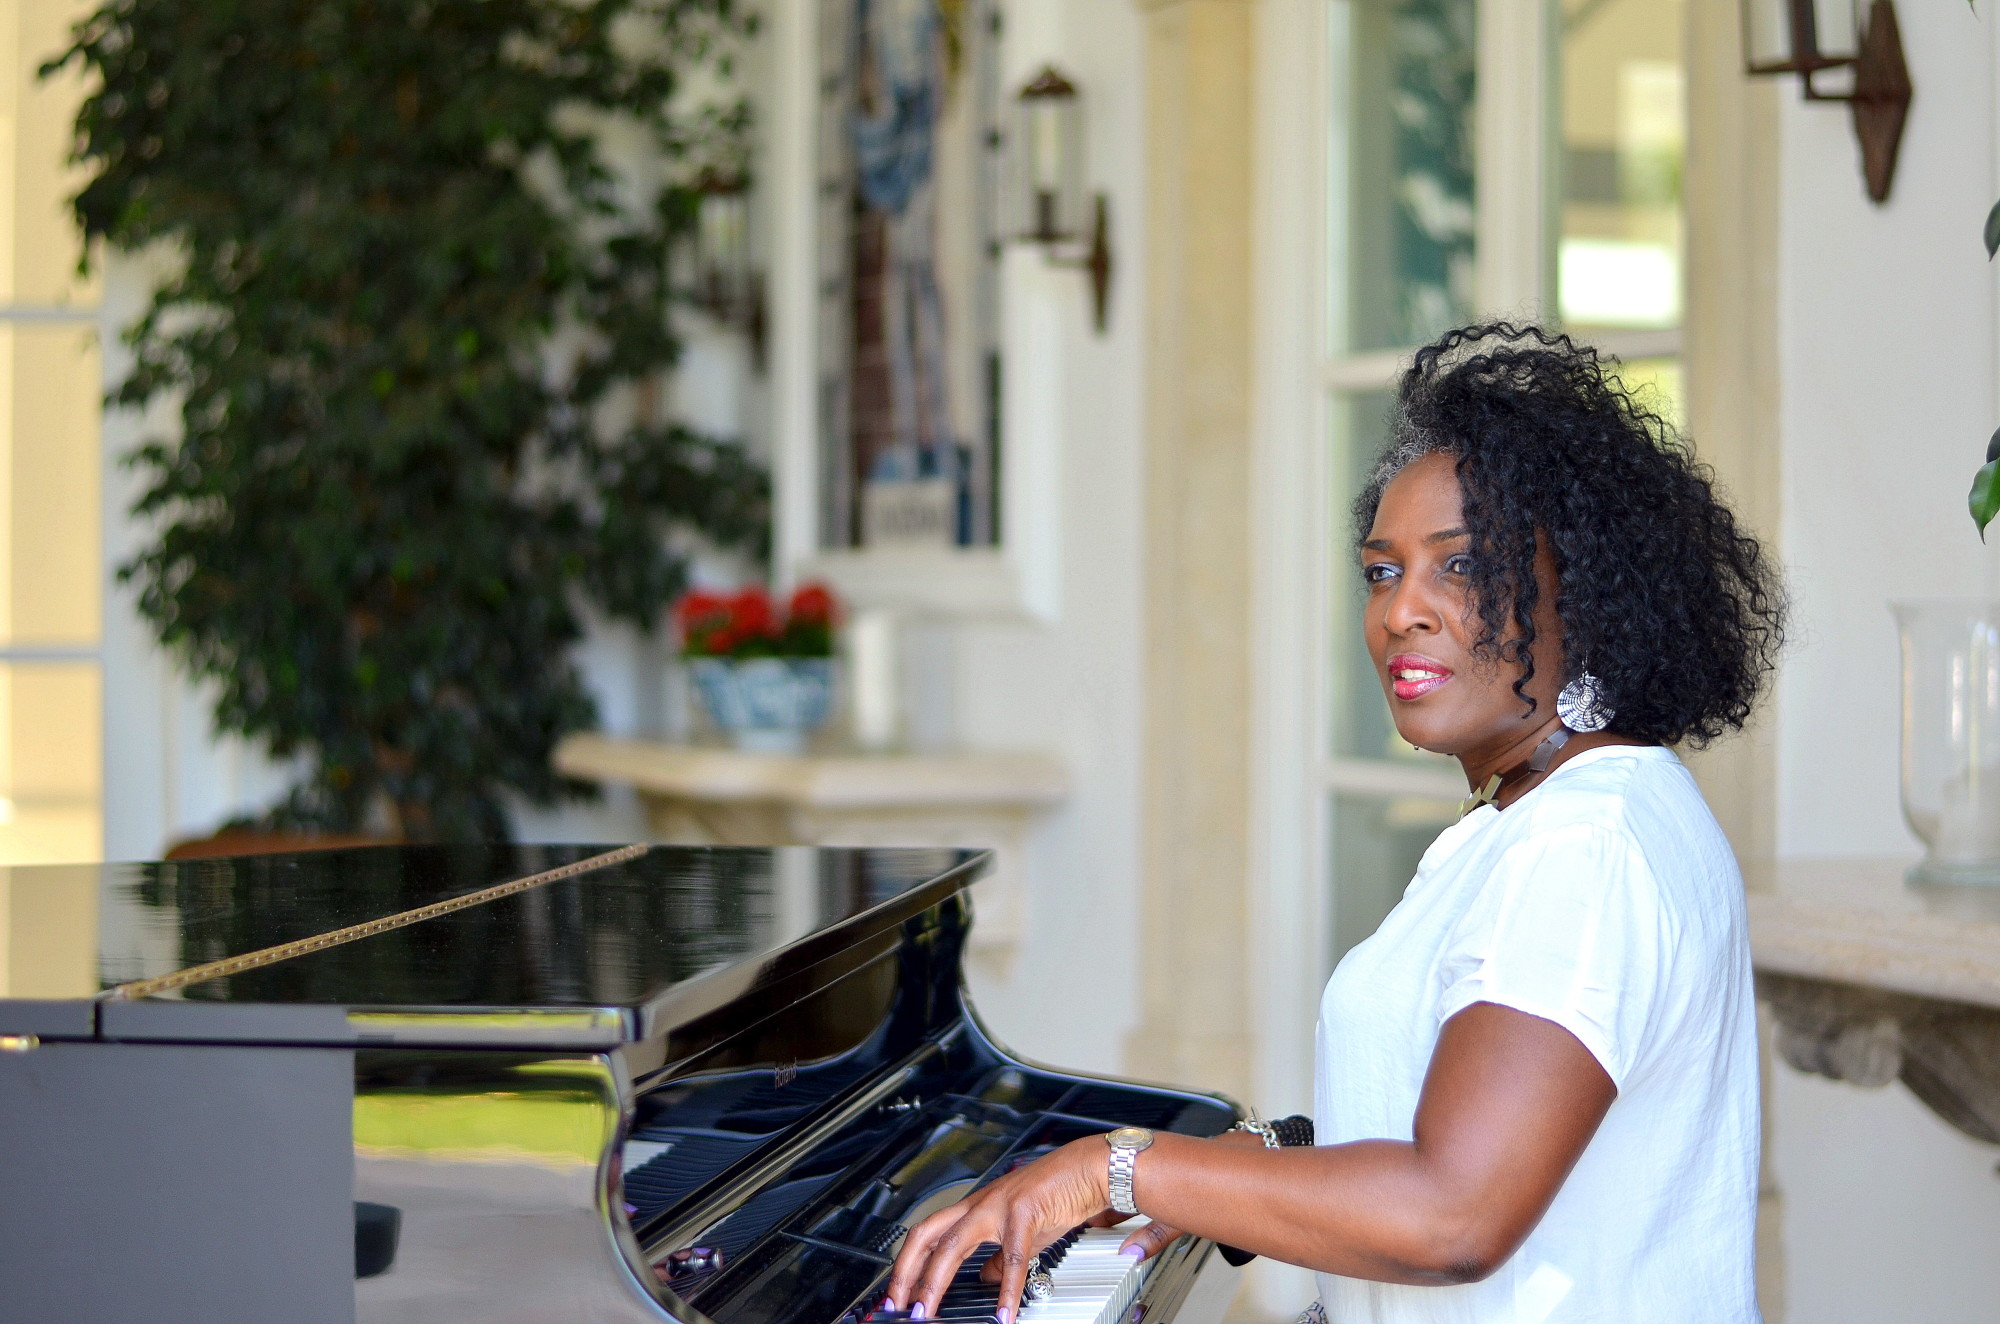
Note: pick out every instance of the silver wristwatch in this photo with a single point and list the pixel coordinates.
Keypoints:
(1126, 1142)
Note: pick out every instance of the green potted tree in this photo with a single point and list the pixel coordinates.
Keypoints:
(418, 313)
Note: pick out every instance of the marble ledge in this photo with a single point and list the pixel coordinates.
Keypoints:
(819, 781)
(1857, 922)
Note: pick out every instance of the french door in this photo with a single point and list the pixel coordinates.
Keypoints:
(1486, 158)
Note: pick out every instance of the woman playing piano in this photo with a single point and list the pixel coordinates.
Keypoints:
(1537, 1092)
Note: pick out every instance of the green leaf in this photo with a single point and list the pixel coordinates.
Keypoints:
(1993, 231)
(1984, 499)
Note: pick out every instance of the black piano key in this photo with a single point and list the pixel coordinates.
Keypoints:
(693, 1161)
(969, 1305)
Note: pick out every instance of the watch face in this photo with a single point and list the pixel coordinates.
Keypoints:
(1130, 1137)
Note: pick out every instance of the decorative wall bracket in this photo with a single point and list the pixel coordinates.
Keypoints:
(1795, 37)
(1947, 1053)
(1094, 260)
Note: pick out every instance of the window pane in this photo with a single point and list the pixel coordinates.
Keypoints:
(1619, 247)
(1656, 384)
(49, 762)
(1402, 170)
(39, 244)
(49, 554)
(1376, 846)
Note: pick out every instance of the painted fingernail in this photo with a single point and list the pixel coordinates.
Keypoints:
(1004, 1315)
(888, 1303)
(916, 1312)
(1134, 1251)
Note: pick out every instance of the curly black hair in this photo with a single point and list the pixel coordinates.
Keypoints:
(1663, 597)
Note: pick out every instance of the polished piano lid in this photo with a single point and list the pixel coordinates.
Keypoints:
(583, 946)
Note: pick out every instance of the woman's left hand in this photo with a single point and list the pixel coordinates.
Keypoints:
(1023, 1212)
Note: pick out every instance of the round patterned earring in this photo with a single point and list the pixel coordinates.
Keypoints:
(1581, 705)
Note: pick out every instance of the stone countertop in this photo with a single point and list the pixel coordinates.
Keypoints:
(1856, 921)
(818, 781)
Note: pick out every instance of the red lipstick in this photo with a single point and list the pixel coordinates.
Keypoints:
(1412, 675)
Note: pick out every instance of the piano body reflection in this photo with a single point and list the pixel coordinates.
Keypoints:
(527, 1083)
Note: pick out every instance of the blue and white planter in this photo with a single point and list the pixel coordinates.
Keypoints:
(767, 705)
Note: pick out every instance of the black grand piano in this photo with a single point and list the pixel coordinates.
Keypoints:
(523, 1083)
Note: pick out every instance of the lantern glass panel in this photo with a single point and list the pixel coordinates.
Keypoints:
(1837, 28)
(1767, 33)
(1048, 167)
(722, 247)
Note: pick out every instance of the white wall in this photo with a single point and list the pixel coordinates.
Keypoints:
(1889, 1213)
(1072, 686)
(1886, 326)
(1887, 333)
(166, 776)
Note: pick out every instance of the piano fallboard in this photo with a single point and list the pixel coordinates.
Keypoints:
(520, 1083)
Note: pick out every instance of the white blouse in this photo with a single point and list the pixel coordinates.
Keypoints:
(1607, 901)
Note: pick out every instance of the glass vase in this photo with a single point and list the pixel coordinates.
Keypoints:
(1951, 737)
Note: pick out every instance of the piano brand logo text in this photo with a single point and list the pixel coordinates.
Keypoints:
(784, 1074)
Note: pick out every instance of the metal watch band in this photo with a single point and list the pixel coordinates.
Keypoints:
(1121, 1180)
(1126, 1142)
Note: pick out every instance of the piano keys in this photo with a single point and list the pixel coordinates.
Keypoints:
(1084, 1281)
(531, 1083)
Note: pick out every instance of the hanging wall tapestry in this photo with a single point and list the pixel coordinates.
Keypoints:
(909, 352)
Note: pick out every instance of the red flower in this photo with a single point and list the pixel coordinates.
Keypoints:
(697, 607)
(813, 604)
(751, 612)
(746, 623)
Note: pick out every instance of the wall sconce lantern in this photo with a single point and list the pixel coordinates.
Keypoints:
(1049, 193)
(1810, 38)
(726, 285)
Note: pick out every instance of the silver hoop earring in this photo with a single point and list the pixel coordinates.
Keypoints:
(1581, 705)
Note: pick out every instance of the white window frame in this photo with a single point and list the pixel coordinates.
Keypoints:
(1020, 578)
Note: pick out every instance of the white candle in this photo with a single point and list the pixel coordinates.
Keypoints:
(871, 669)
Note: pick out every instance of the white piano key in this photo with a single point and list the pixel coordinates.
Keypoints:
(638, 1153)
(1094, 1284)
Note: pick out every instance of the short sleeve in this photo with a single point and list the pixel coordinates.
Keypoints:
(1568, 927)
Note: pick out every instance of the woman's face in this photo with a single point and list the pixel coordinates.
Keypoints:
(1421, 621)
